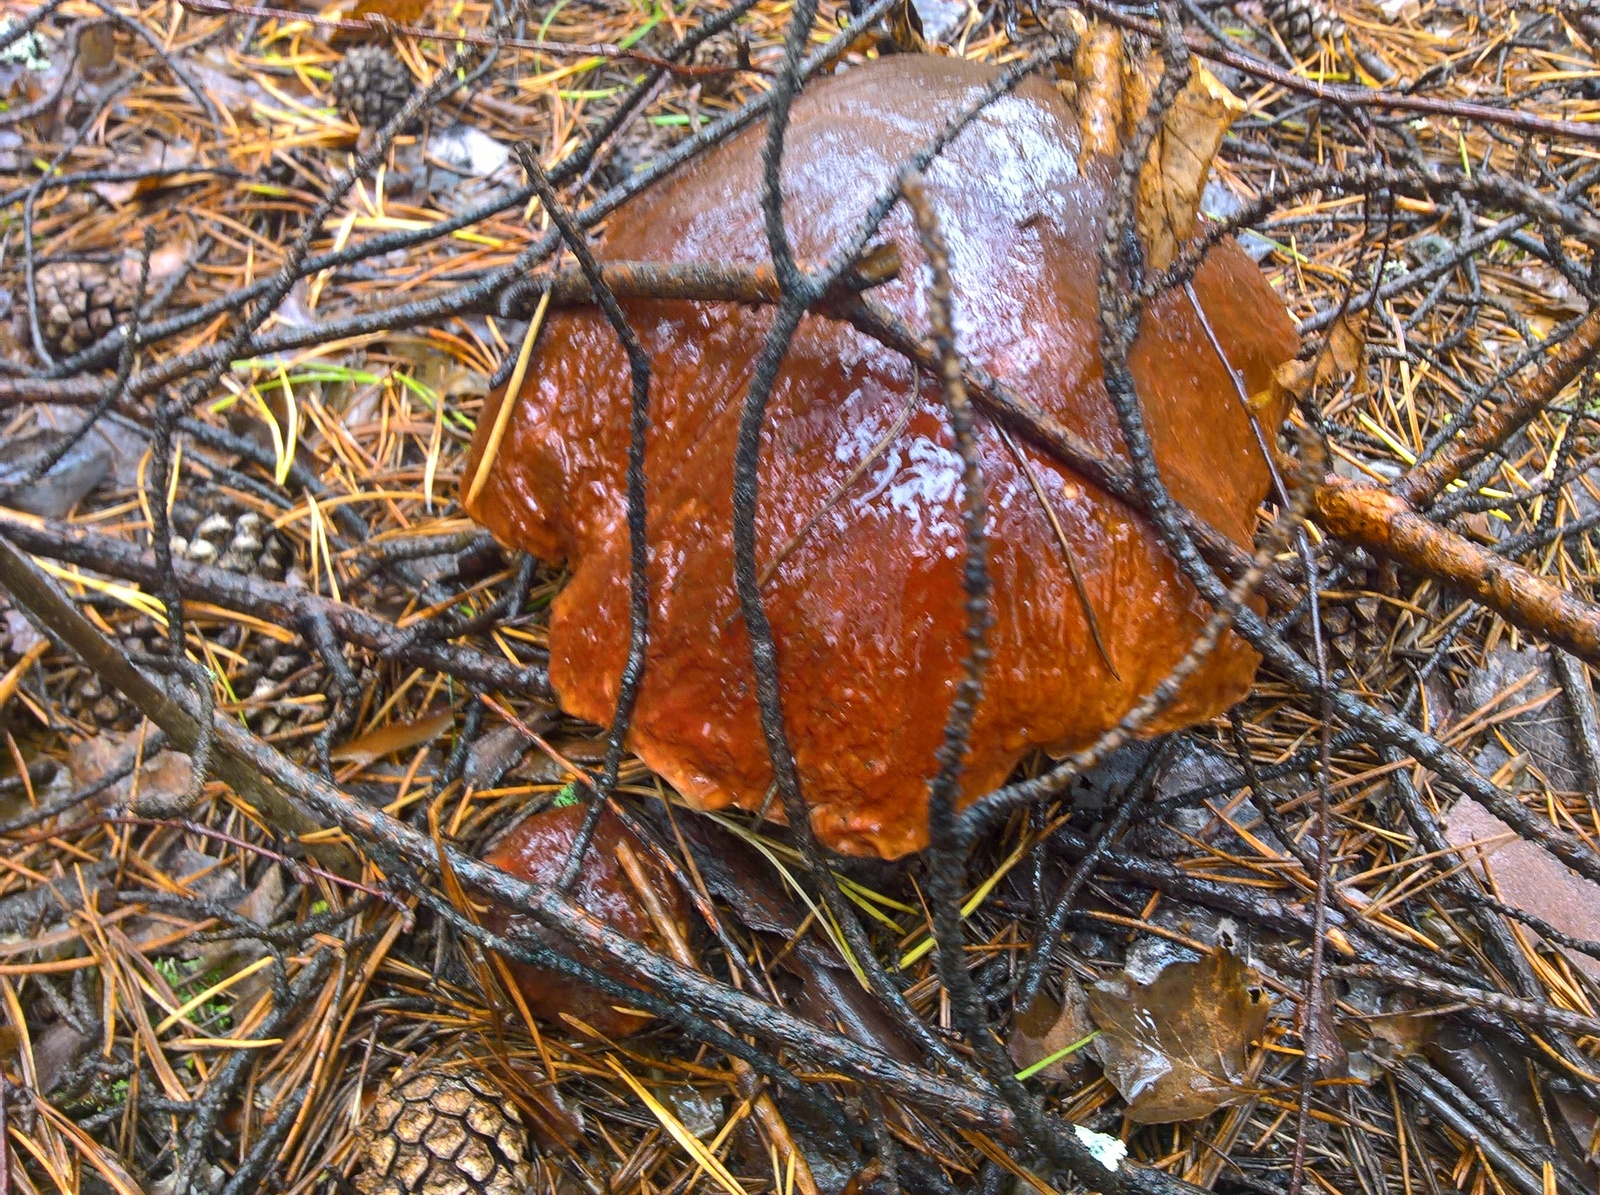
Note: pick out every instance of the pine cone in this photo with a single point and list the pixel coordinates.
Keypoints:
(442, 1131)
(1304, 25)
(211, 530)
(371, 84)
(730, 49)
(636, 147)
(79, 302)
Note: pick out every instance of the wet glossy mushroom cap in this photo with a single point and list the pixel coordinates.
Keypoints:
(867, 609)
(536, 850)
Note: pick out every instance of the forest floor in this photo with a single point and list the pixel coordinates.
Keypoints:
(1277, 929)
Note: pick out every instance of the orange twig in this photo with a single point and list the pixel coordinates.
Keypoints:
(1385, 524)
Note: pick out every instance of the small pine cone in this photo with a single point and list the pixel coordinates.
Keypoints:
(639, 144)
(728, 49)
(444, 1131)
(79, 302)
(371, 84)
(245, 544)
(1304, 25)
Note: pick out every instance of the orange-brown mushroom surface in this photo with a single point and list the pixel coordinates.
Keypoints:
(537, 851)
(867, 609)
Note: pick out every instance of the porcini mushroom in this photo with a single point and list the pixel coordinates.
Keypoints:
(866, 607)
(536, 850)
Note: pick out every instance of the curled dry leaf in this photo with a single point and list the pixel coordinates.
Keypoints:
(1172, 181)
(905, 28)
(1176, 1048)
(868, 610)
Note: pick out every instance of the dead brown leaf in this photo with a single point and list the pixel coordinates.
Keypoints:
(1173, 178)
(1176, 1048)
(1047, 1028)
(1339, 358)
(1528, 876)
(165, 263)
(163, 784)
(1403, 1034)
(395, 736)
(1139, 79)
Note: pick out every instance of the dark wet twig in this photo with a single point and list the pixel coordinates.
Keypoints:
(637, 514)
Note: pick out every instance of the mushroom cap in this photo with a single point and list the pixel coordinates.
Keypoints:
(536, 850)
(867, 611)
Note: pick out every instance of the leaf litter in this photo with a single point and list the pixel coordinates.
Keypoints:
(111, 928)
(1176, 1045)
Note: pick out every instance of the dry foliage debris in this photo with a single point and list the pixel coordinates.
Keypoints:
(266, 693)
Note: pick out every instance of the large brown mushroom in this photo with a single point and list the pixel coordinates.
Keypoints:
(867, 609)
